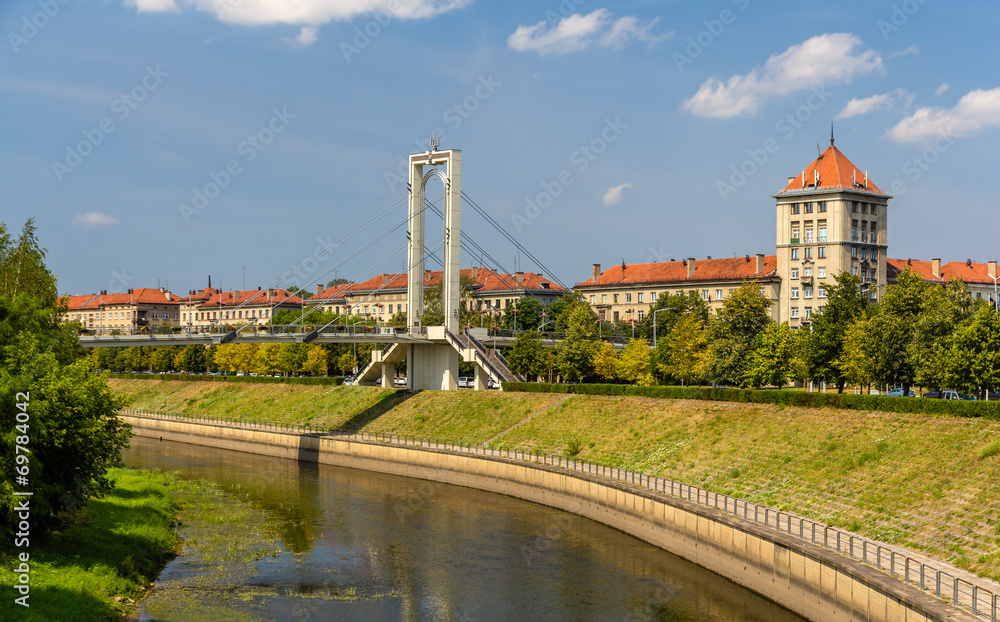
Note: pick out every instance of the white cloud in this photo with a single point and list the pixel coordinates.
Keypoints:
(912, 50)
(301, 12)
(307, 36)
(89, 220)
(578, 32)
(614, 194)
(975, 112)
(821, 60)
(941, 90)
(875, 103)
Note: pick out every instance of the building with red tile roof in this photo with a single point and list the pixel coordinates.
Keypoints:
(211, 307)
(980, 278)
(139, 309)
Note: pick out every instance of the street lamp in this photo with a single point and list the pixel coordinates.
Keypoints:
(654, 321)
(994, 291)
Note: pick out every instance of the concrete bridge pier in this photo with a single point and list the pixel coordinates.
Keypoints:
(431, 367)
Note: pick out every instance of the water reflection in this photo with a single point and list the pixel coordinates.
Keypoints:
(404, 549)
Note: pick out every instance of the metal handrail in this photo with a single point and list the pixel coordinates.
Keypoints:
(974, 597)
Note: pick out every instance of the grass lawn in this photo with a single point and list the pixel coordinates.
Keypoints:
(924, 481)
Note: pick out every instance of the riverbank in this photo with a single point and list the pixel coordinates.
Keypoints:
(103, 561)
(925, 482)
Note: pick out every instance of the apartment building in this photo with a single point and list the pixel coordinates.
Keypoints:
(136, 310)
(208, 307)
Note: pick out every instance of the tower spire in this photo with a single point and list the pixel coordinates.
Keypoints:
(831, 133)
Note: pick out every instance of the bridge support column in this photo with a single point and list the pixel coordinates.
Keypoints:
(388, 373)
(482, 377)
(431, 367)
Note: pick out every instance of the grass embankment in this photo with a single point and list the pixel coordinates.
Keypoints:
(923, 481)
(104, 559)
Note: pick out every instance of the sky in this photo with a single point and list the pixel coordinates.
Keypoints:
(157, 142)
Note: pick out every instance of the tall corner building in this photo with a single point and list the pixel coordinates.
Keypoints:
(831, 218)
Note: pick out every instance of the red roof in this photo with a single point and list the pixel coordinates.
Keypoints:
(967, 272)
(200, 295)
(140, 295)
(253, 297)
(78, 303)
(836, 172)
(488, 281)
(736, 269)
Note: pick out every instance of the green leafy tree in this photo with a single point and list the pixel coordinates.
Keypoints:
(246, 356)
(770, 361)
(527, 355)
(22, 266)
(575, 353)
(193, 358)
(635, 363)
(732, 334)
(558, 311)
(824, 344)
(669, 308)
(853, 363)
(945, 309)
(525, 315)
(606, 362)
(680, 354)
(266, 359)
(292, 357)
(972, 361)
(346, 362)
(163, 357)
(226, 357)
(889, 348)
(317, 361)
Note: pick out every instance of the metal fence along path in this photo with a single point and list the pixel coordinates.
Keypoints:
(938, 578)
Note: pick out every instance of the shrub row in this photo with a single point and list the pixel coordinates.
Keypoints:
(334, 381)
(958, 408)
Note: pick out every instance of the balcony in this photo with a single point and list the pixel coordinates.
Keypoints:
(794, 241)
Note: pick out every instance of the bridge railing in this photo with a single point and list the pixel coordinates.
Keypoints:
(938, 579)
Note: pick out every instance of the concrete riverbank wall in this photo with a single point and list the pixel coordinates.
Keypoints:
(815, 582)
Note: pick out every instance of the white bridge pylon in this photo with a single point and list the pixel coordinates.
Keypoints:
(434, 366)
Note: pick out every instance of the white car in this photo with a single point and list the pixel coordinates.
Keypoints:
(492, 384)
(399, 382)
(463, 383)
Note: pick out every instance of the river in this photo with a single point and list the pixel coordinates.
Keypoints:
(353, 545)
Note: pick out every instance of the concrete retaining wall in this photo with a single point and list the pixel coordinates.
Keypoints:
(817, 583)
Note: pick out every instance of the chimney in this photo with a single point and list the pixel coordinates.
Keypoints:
(991, 269)
(385, 279)
(597, 271)
(760, 261)
(936, 267)
(270, 294)
(690, 266)
(319, 289)
(519, 277)
(475, 273)
(167, 295)
(162, 290)
(791, 180)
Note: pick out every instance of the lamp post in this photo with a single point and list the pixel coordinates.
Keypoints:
(994, 291)
(654, 321)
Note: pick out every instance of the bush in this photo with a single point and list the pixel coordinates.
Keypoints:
(334, 381)
(955, 408)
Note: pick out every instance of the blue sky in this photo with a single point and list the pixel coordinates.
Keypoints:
(623, 122)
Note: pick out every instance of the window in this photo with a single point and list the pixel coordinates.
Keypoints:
(809, 207)
(641, 315)
(616, 316)
(854, 231)
(652, 297)
(809, 235)
(366, 309)
(809, 312)
(821, 272)
(604, 299)
(154, 315)
(704, 294)
(807, 271)
(593, 298)
(821, 292)
(795, 253)
(854, 207)
(795, 273)
(874, 207)
(640, 297)
(795, 208)
(822, 206)
(795, 293)
(616, 298)
(874, 254)
(821, 252)
(854, 252)
(854, 269)
(864, 208)
(874, 236)
(718, 294)
(241, 315)
(795, 235)
(399, 308)
(808, 252)
(628, 297)
(864, 254)
(807, 291)
(822, 234)
(795, 312)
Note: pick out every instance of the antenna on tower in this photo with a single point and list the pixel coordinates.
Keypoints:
(819, 153)
(831, 133)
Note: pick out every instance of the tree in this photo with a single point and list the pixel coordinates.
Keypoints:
(525, 314)
(346, 362)
(527, 355)
(317, 361)
(680, 353)
(162, 358)
(824, 343)
(266, 360)
(972, 362)
(575, 353)
(606, 362)
(891, 329)
(669, 309)
(226, 357)
(193, 358)
(246, 356)
(732, 334)
(433, 300)
(48, 396)
(853, 363)
(635, 363)
(338, 282)
(770, 361)
(291, 357)
(945, 309)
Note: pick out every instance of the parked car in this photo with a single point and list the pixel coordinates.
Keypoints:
(492, 384)
(946, 394)
(463, 383)
(899, 393)
(399, 382)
